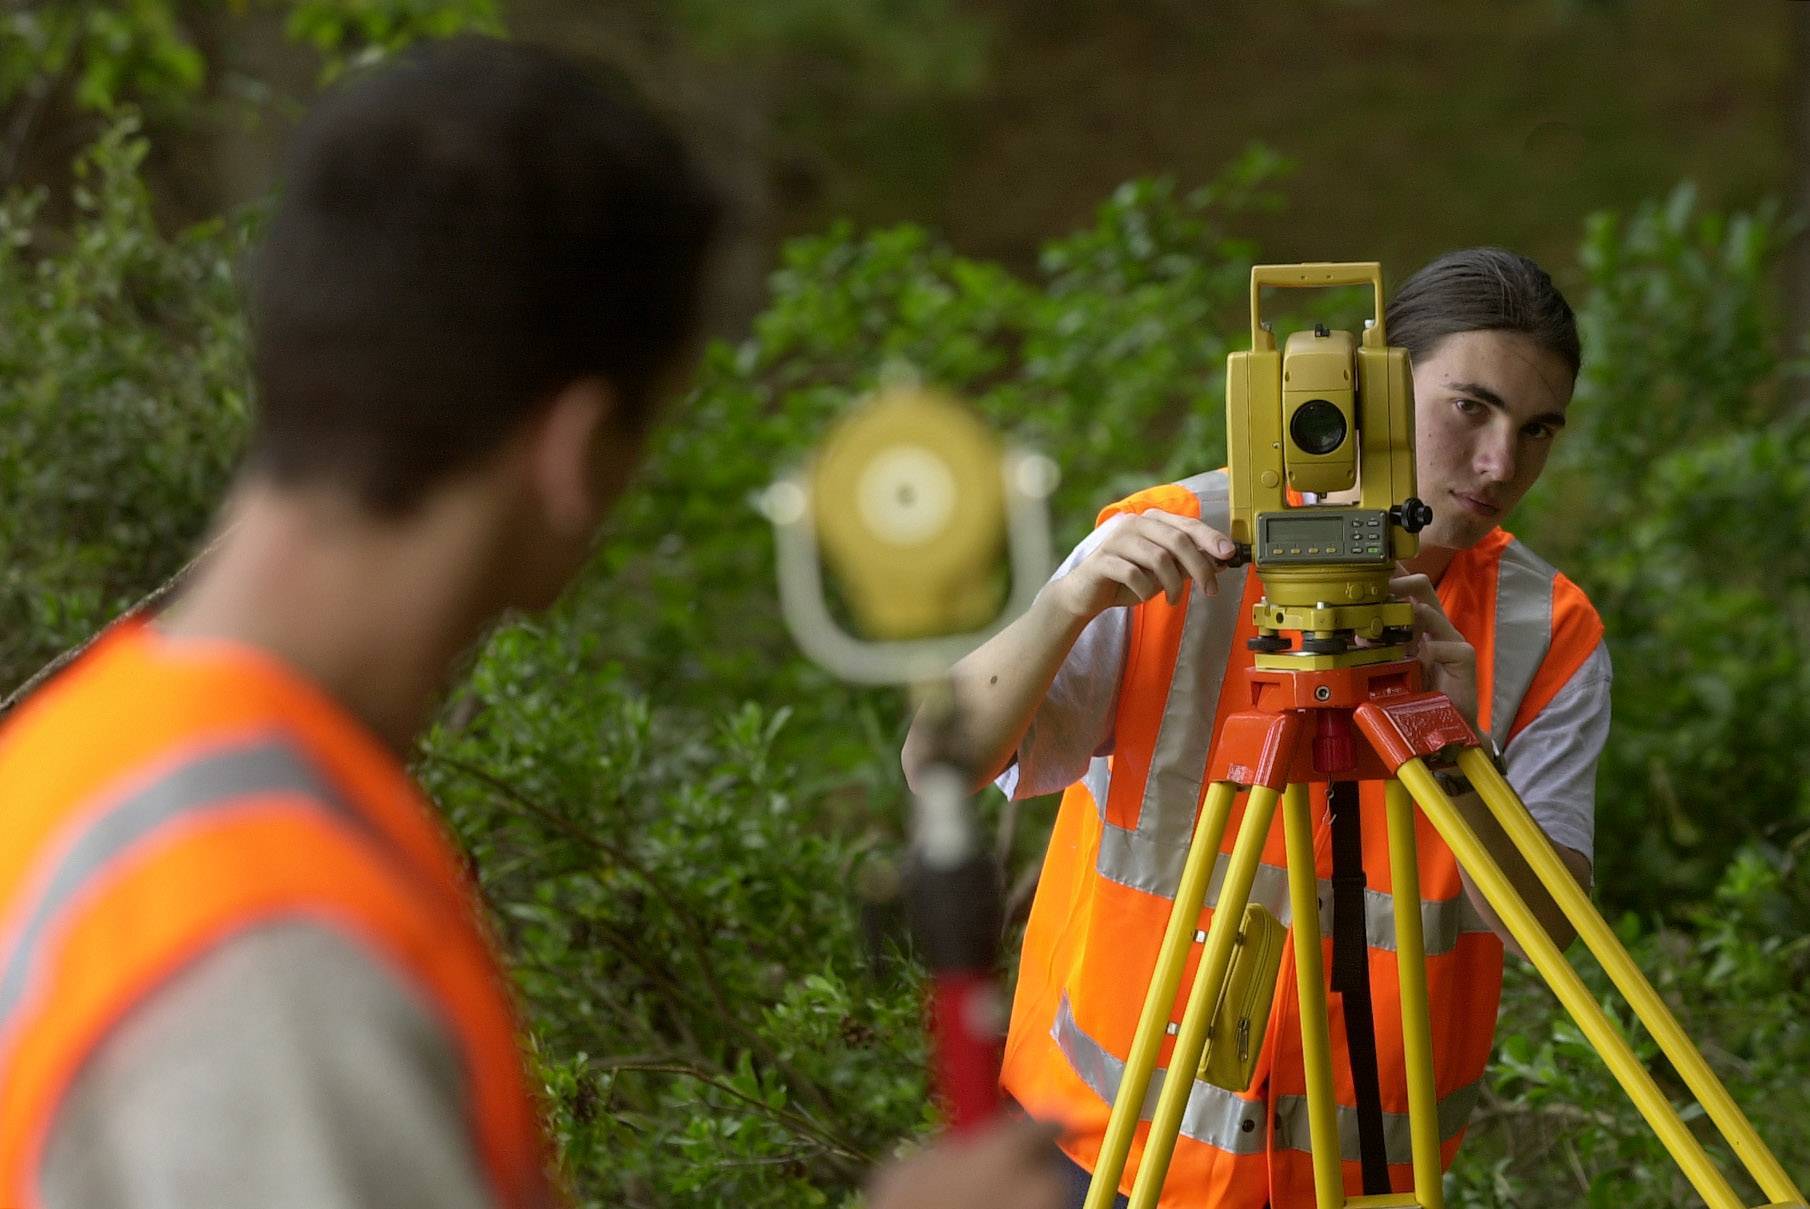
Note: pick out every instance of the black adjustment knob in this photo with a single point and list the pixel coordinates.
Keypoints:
(1240, 556)
(1412, 514)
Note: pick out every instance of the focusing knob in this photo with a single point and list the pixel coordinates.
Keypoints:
(1412, 514)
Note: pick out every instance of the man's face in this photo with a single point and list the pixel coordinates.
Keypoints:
(1487, 407)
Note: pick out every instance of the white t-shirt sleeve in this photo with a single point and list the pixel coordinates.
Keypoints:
(1552, 762)
(1074, 722)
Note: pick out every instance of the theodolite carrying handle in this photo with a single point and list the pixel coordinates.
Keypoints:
(1318, 275)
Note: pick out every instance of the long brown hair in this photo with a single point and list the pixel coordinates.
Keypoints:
(1482, 289)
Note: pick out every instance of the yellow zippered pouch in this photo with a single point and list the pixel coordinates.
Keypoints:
(1236, 1035)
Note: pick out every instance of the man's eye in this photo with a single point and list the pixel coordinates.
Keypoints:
(1540, 432)
(1469, 407)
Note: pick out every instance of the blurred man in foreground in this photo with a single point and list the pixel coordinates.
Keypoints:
(240, 963)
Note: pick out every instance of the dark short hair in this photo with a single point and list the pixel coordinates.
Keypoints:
(1482, 289)
(459, 236)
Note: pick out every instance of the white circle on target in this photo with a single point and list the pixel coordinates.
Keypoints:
(906, 495)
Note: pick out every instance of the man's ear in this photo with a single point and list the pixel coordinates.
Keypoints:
(563, 453)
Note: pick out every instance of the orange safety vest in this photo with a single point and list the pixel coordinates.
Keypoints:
(162, 798)
(1115, 860)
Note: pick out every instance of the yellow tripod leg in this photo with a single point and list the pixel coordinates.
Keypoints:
(1159, 999)
(1559, 975)
(1209, 980)
(1310, 981)
(1411, 969)
(1647, 1005)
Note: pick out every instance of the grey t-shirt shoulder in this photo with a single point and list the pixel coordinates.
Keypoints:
(1551, 763)
(285, 1070)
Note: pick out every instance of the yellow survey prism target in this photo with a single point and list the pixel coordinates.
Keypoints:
(912, 514)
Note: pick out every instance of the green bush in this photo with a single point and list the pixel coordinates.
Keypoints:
(144, 53)
(122, 395)
(678, 917)
(1682, 504)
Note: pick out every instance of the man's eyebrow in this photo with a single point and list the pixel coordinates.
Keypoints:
(1552, 419)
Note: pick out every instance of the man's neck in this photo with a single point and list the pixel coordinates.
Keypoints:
(373, 613)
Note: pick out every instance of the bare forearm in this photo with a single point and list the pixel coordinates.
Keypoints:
(1520, 875)
(995, 691)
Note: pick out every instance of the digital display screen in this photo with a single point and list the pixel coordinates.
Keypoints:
(1321, 531)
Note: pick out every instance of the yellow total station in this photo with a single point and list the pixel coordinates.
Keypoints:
(1329, 414)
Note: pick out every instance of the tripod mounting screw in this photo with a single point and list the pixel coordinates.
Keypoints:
(1323, 693)
(1412, 514)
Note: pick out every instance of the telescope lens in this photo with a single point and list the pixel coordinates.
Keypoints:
(1318, 427)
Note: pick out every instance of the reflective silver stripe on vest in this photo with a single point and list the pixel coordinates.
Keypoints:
(1292, 1132)
(1523, 633)
(1150, 857)
(1442, 921)
(1227, 1121)
(209, 782)
(1098, 780)
(1215, 1116)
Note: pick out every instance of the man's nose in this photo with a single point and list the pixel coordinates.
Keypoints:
(1495, 460)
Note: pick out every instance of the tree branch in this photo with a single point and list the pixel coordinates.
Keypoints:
(799, 1124)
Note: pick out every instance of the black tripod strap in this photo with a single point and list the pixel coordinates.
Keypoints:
(1351, 979)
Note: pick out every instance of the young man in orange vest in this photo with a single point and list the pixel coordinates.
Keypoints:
(240, 962)
(1108, 689)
